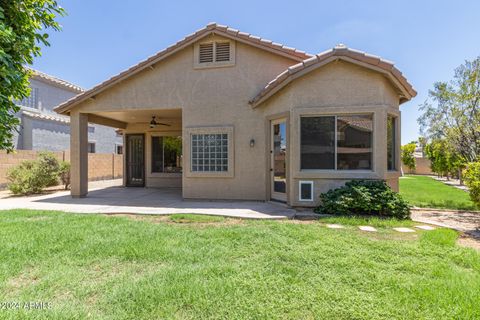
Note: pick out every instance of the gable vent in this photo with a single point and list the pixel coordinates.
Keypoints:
(222, 52)
(206, 52)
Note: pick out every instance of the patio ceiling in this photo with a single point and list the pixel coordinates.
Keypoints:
(143, 116)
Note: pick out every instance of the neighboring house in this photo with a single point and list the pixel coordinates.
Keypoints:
(43, 129)
(228, 115)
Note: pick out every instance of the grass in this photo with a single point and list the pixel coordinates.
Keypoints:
(422, 191)
(195, 218)
(117, 267)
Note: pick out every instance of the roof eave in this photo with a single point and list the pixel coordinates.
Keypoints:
(180, 45)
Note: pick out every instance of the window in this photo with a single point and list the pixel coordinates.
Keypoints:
(118, 149)
(391, 145)
(91, 147)
(209, 152)
(305, 192)
(317, 143)
(167, 154)
(214, 53)
(336, 142)
(32, 100)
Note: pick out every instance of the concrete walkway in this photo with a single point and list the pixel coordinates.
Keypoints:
(111, 197)
(464, 221)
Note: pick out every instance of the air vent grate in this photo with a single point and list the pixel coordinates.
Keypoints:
(222, 52)
(206, 52)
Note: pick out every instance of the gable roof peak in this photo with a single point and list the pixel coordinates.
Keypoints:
(338, 52)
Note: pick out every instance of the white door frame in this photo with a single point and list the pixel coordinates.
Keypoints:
(279, 196)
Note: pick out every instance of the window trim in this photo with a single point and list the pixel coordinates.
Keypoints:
(187, 169)
(215, 64)
(396, 155)
(378, 111)
(310, 182)
(335, 115)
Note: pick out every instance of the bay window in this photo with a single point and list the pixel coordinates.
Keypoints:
(339, 142)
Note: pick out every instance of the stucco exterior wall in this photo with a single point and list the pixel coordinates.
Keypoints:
(207, 97)
(218, 98)
(337, 88)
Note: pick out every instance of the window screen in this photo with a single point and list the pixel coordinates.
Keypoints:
(166, 154)
(317, 143)
(354, 142)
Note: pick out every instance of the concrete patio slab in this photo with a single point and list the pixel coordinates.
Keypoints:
(110, 197)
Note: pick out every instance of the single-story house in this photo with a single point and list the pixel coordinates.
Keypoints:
(227, 115)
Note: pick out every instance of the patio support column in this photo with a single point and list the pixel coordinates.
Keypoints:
(79, 154)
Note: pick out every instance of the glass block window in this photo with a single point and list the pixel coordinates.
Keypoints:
(209, 152)
(32, 100)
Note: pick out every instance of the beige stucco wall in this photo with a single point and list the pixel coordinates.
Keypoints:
(337, 88)
(207, 97)
(218, 97)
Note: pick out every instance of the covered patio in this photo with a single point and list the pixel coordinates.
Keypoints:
(152, 140)
(110, 197)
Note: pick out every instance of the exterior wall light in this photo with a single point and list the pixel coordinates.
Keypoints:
(252, 143)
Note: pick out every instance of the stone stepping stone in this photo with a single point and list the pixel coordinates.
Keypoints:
(367, 228)
(402, 229)
(335, 226)
(425, 227)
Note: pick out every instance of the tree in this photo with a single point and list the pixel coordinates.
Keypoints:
(408, 158)
(443, 160)
(454, 114)
(22, 26)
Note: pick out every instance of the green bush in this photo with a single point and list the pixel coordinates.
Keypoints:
(364, 197)
(32, 176)
(471, 177)
(65, 174)
(51, 167)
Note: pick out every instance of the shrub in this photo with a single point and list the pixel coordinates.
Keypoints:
(364, 197)
(32, 176)
(65, 173)
(51, 167)
(27, 178)
(471, 177)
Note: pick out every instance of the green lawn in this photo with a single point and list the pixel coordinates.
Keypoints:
(422, 191)
(124, 267)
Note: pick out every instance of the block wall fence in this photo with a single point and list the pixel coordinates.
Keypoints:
(101, 166)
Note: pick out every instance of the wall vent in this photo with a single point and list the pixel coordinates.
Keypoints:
(206, 52)
(222, 51)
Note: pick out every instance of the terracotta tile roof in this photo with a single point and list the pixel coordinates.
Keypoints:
(214, 28)
(339, 52)
(68, 85)
(44, 116)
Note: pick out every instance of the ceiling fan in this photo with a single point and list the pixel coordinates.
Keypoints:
(154, 123)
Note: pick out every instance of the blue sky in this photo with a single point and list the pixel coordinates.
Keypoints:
(426, 39)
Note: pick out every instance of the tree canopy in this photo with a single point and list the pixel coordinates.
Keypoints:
(452, 112)
(22, 31)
